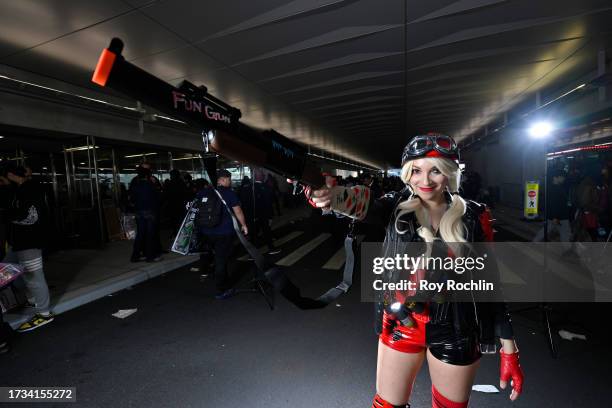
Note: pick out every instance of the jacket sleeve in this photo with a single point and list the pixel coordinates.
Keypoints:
(381, 209)
(496, 312)
(29, 210)
(358, 203)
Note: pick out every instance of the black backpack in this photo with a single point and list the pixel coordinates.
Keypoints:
(210, 209)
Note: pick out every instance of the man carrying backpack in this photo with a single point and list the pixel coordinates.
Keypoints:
(214, 223)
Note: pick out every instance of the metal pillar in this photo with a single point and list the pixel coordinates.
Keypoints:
(70, 193)
(73, 171)
(98, 198)
(54, 178)
(116, 180)
(68, 181)
(91, 191)
(55, 193)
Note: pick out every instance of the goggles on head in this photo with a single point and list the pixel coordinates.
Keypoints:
(430, 145)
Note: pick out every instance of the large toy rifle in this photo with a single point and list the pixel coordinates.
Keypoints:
(219, 122)
(225, 134)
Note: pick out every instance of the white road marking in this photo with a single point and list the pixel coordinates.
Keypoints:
(277, 243)
(303, 250)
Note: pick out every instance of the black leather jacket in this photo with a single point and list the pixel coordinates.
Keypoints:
(492, 319)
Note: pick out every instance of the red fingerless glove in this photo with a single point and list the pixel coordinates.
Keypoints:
(510, 368)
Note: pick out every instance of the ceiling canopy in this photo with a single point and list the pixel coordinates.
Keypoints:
(352, 77)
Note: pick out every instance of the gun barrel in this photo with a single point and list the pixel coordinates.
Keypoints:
(193, 105)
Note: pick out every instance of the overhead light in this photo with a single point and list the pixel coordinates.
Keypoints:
(188, 158)
(82, 163)
(541, 130)
(168, 118)
(139, 155)
(80, 148)
(597, 147)
(1, 137)
(57, 91)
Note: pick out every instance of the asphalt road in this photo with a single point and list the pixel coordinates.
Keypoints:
(183, 348)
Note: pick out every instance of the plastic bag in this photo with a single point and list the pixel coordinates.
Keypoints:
(128, 224)
(9, 272)
(186, 240)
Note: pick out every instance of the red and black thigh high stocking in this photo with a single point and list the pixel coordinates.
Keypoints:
(437, 401)
(440, 401)
(379, 402)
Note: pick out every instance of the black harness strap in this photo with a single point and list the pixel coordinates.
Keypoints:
(277, 276)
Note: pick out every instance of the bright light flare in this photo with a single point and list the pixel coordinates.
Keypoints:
(541, 130)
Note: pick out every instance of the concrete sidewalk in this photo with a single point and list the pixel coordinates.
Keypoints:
(77, 277)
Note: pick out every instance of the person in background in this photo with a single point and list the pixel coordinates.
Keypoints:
(191, 189)
(245, 194)
(372, 182)
(263, 211)
(175, 197)
(26, 238)
(145, 198)
(286, 192)
(5, 330)
(200, 184)
(273, 186)
(159, 249)
(588, 207)
(605, 201)
(221, 236)
(558, 209)
(6, 192)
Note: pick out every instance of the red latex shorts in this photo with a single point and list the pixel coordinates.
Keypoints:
(402, 338)
(443, 341)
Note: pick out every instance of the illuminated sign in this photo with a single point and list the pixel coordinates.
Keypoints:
(531, 199)
(181, 102)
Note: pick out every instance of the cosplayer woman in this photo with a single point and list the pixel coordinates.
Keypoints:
(452, 336)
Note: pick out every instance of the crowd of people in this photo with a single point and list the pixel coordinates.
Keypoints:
(579, 209)
(579, 204)
(253, 203)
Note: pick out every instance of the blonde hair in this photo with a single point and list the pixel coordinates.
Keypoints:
(451, 226)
